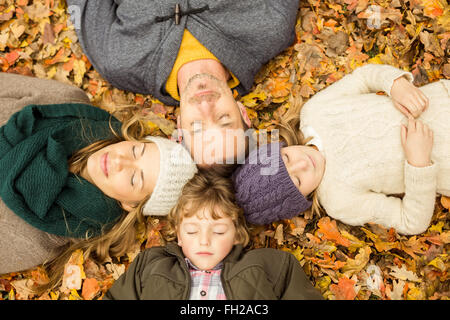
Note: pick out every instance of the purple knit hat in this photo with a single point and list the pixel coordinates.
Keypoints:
(264, 188)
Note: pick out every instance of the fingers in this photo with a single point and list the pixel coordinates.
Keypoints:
(411, 125)
(403, 110)
(403, 134)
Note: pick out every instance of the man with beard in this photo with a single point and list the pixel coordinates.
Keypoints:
(192, 53)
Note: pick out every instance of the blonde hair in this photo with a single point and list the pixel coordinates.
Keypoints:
(291, 135)
(122, 236)
(212, 191)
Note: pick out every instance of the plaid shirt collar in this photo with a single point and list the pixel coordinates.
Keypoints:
(206, 284)
(191, 266)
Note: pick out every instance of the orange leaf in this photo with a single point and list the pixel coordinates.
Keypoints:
(11, 57)
(330, 231)
(68, 66)
(57, 58)
(445, 202)
(90, 289)
(344, 290)
(279, 87)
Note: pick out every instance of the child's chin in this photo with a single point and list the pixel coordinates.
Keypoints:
(204, 266)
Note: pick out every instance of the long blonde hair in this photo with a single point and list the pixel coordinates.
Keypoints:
(122, 236)
(291, 135)
(207, 189)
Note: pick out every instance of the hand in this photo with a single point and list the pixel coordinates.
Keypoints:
(417, 143)
(408, 99)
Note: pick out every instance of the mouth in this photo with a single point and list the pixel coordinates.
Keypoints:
(204, 253)
(104, 163)
(203, 93)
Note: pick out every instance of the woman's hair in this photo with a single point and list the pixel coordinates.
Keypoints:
(121, 237)
(291, 135)
(207, 190)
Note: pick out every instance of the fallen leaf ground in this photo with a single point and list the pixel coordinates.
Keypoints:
(333, 38)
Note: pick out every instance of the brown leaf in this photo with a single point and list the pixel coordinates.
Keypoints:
(49, 35)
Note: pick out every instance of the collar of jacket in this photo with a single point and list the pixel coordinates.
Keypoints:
(174, 249)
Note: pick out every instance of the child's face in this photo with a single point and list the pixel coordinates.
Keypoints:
(305, 165)
(205, 241)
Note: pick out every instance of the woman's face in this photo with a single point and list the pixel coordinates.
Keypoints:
(305, 166)
(126, 171)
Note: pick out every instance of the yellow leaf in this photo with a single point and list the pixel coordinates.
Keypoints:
(376, 59)
(251, 99)
(51, 72)
(355, 243)
(11, 295)
(354, 266)
(54, 296)
(324, 282)
(79, 69)
(251, 114)
(74, 295)
(438, 263)
(437, 227)
(415, 293)
(297, 252)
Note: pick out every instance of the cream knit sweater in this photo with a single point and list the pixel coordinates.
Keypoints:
(365, 162)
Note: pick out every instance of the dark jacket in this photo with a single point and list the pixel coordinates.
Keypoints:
(134, 44)
(264, 274)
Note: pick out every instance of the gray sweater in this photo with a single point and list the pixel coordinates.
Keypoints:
(134, 44)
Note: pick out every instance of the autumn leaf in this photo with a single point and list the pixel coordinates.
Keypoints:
(344, 290)
(90, 289)
(403, 274)
(353, 266)
(329, 230)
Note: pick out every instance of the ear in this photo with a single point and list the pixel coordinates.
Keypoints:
(179, 239)
(244, 114)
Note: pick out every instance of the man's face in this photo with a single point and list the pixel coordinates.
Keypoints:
(211, 121)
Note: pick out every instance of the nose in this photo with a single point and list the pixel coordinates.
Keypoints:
(121, 162)
(205, 107)
(298, 165)
(204, 238)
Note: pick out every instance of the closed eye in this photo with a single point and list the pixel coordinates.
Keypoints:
(132, 178)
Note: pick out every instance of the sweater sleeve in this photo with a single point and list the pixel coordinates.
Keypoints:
(370, 78)
(410, 215)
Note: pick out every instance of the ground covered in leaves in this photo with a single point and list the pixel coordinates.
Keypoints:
(333, 38)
